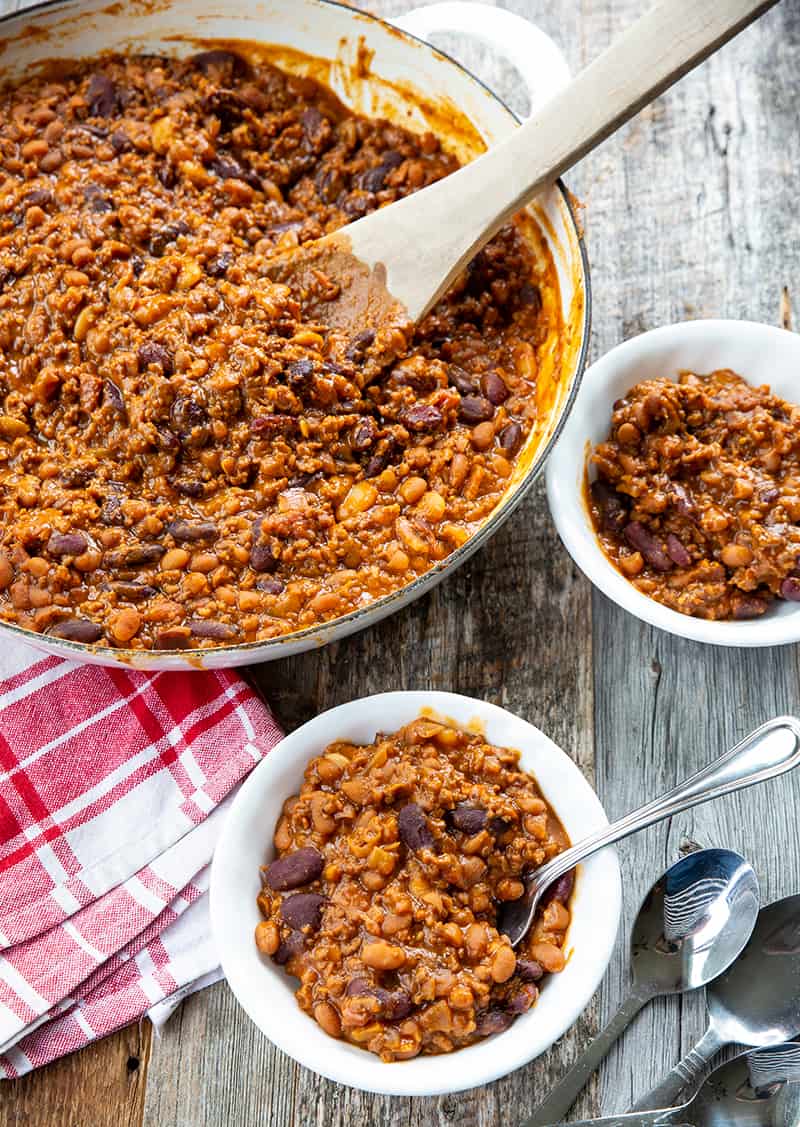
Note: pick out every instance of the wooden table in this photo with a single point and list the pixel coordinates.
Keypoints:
(690, 212)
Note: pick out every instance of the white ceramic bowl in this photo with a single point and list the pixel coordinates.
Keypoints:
(760, 354)
(267, 993)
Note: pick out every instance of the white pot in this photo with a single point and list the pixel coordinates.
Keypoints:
(404, 80)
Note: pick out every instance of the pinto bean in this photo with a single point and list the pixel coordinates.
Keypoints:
(294, 869)
(413, 828)
(303, 909)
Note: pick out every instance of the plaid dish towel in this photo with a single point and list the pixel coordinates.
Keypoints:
(113, 788)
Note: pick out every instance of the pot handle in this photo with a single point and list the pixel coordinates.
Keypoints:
(539, 61)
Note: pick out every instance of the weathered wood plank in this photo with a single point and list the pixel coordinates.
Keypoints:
(103, 1086)
(701, 199)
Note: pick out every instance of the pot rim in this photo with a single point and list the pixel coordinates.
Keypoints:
(356, 619)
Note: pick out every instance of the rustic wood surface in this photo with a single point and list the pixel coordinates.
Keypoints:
(690, 211)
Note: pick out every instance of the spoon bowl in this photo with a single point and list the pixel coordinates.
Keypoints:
(755, 1089)
(691, 926)
(755, 1002)
(694, 922)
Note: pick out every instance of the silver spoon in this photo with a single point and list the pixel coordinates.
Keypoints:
(691, 926)
(755, 1002)
(755, 1089)
(771, 750)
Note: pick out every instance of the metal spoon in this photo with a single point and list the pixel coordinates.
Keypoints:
(691, 926)
(771, 750)
(756, 1089)
(755, 1002)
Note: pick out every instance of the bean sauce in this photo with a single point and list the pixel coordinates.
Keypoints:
(392, 864)
(175, 425)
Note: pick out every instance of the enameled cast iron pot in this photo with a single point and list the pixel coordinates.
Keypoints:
(378, 70)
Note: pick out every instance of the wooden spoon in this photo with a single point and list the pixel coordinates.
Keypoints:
(392, 266)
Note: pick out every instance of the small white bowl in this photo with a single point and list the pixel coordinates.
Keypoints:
(760, 354)
(267, 993)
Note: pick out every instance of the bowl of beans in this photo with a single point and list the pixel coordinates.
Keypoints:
(196, 468)
(676, 483)
(358, 887)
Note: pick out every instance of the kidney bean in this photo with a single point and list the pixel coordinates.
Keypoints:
(189, 420)
(357, 348)
(135, 555)
(639, 538)
(228, 168)
(613, 506)
(358, 987)
(748, 606)
(395, 1004)
(39, 197)
(422, 417)
(561, 890)
(768, 495)
(114, 395)
(530, 295)
(262, 556)
(499, 826)
(317, 128)
(227, 105)
(510, 438)
(204, 628)
(227, 64)
(294, 869)
(529, 970)
(475, 409)
(191, 531)
(292, 945)
(167, 235)
(67, 544)
(364, 434)
(464, 382)
(153, 352)
(494, 388)
(76, 630)
(102, 96)
(120, 141)
(132, 592)
(219, 265)
(790, 589)
(173, 638)
(676, 551)
(493, 1021)
(273, 585)
(523, 999)
(413, 828)
(682, 500)
(304, 909)
(468, 819)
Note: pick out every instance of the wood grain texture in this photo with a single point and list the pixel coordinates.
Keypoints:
(689, 212)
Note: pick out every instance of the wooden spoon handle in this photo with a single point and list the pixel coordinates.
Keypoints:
(437, 231)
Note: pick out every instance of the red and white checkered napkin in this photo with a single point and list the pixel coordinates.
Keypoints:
(113, 785)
